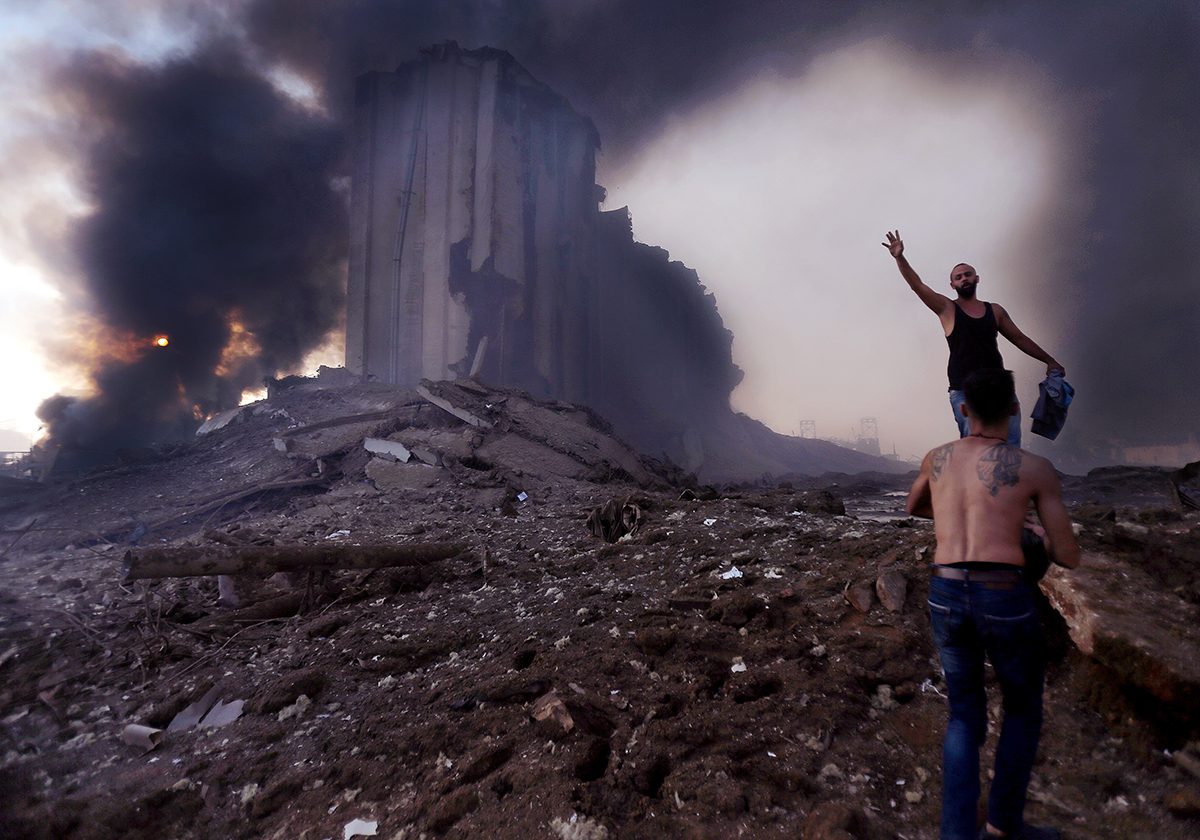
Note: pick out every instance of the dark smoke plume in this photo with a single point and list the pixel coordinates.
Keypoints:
(216, 226)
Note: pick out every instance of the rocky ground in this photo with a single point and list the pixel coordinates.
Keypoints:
(753, 661)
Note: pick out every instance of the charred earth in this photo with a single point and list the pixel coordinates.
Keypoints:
(749, 661)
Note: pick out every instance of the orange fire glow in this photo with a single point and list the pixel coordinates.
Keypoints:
(242, 347)
(162, 340)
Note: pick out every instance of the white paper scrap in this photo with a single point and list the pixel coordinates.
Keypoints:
(364, 827)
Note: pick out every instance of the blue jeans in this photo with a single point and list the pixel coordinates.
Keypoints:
(970, 620)
(957, 398)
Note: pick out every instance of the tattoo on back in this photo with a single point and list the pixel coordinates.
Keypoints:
(939, 459)
(999, 466)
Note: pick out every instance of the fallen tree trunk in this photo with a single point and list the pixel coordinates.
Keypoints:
(265, 560)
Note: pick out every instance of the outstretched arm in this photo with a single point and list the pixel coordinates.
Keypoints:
(935, 301)
(1023, 342)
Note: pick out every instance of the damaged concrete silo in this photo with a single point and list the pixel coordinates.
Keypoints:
(473, 226)
(477, 245)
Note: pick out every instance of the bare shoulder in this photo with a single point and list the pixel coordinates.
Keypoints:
(939, 459)
(1039, 469)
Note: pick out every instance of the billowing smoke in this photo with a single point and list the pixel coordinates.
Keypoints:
(217, 233)
(214, 203)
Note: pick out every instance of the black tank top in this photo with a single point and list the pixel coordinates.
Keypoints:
(972, 345)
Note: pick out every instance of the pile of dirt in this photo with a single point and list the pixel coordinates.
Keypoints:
(749, 661)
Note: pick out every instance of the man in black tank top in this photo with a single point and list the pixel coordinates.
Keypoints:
(970, 326)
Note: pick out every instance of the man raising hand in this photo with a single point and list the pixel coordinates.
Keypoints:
(970, 326)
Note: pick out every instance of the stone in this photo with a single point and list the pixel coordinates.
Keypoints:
(1184, 801)
(861, 596)
(1149, 637)
(892, 588)
(551, 716)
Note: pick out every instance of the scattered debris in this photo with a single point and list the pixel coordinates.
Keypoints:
(615, 518)
(191, 561)
(673, 701)
(143, 737)
(552, 715)
(360, 828)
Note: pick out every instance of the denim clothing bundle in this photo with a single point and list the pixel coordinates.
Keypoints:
(972, 620)
(1050, 413)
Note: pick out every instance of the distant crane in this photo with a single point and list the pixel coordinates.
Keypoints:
(868, 436)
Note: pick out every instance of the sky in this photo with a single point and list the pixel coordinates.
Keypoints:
(769, 145)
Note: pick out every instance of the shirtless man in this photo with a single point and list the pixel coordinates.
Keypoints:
(977, 490)
(970, 326)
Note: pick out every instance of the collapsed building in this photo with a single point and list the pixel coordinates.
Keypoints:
(477, 247)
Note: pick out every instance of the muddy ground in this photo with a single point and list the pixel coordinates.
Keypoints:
(708, 677)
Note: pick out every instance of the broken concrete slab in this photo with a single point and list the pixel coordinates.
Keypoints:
(1148, 636)
(425, 389)
(458, 443)
(564, 432)
(530, 458)
(390, 475)
(221, 419)
(389, 449)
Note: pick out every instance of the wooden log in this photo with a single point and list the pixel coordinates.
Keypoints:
(265, 560)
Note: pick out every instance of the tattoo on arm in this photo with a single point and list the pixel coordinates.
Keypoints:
(939, 459)
(999, 467)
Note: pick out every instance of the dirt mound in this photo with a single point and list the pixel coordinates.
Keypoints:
(748, 663)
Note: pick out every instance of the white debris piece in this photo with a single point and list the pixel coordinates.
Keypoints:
(367, 828)
(390, 449)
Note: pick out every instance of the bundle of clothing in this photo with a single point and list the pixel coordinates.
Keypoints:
(1050, 413)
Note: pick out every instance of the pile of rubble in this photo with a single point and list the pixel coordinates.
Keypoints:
(456, 611)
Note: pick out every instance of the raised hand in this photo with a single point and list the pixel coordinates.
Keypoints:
(894, 244)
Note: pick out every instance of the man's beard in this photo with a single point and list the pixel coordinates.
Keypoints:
(967, 290)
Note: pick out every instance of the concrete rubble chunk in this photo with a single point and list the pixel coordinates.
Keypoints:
(389, 475)
(1118, 615)
(551, 715)
(389, 449)
(221, 420)
(860, 596)
(445, 405)
(892, 588)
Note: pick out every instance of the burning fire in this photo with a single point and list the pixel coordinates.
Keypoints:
(161, 340)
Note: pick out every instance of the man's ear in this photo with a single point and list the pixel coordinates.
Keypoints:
(1016, 408)
(962, 409)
